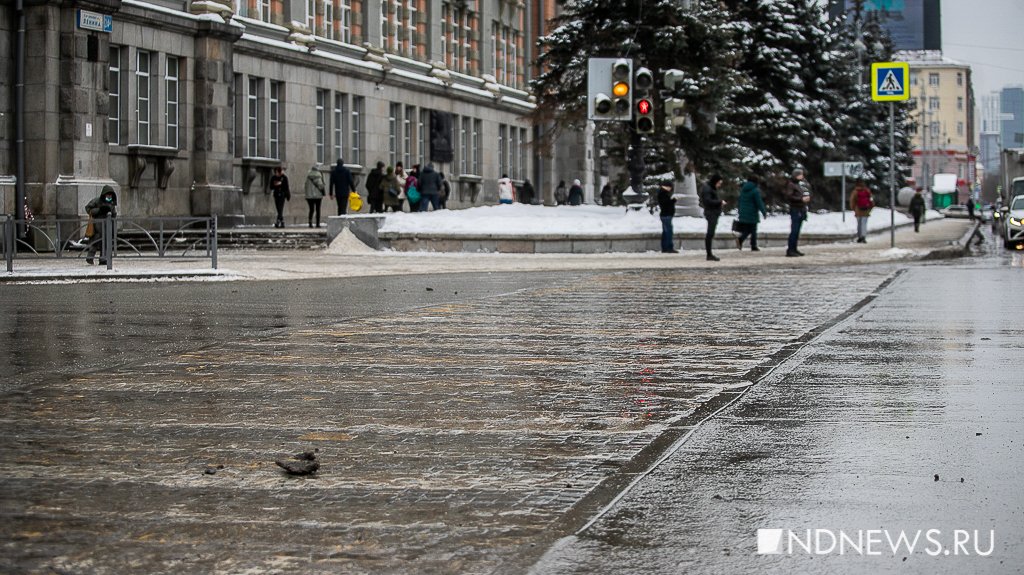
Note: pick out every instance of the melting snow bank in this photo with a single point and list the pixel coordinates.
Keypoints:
(589, 220)
(896, 253)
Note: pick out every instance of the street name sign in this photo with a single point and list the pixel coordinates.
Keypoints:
(95, 21)
(890, 81)
(836, 169)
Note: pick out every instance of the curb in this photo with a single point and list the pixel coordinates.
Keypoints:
(957, 248)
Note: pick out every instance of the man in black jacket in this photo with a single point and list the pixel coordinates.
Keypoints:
(712, 211)
(374, 194)
(667, 205)
(341, 185)
(429, 188)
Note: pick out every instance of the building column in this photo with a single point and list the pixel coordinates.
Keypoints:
(213, 191)
(66, 107)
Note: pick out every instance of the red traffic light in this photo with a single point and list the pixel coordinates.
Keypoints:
(644, 107)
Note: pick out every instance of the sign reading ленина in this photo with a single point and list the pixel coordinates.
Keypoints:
(95, 21)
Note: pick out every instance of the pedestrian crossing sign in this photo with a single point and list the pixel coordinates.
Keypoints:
(889, 81)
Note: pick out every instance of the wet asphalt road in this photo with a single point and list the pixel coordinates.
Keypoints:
(905, 416)
(463, 428)
(457, 431)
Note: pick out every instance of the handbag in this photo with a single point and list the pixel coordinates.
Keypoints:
(355, 202)
(393, 192)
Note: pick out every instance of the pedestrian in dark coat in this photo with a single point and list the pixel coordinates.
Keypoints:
(575, 193)
(446, 191)
(561, 195)
(667, 206)
(430, 188)
(917, 209)
(98, 209)
(798, 196)
(750, 210)
(281, 192)
(392, 188)
(712, 211)
(607, 195)
(526, 192)
(970, 208)
(341, 185)
(374, 193)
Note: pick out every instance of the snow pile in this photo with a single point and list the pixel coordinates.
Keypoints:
(347, 243)
(590, 220)
(895, 254)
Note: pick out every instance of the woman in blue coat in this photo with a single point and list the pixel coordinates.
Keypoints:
(751, 208)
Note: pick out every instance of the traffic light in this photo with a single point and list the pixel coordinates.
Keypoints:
(643, 81)
(644, 116)
(609, 89)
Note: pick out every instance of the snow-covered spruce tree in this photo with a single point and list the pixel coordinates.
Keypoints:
(780, 110)
(862, 125)
(658, 34)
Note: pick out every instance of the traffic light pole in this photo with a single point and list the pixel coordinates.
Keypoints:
(635, 162)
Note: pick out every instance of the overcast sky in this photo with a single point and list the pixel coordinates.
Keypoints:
(989, 36)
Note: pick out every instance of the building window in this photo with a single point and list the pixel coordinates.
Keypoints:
(960, 103)
(424, 132)
(340, 115)
(171, 109)
(275, 119)
(913, 77)
(142, 95)
(265, 10)
(502, 168)
(252, 114)
(394, 121)
(345, 21)
(464, 149)
(358, 104)
(513, 144)
(407, 135)
(311, 16)
(522, 153)
(959, 78)
(478, 129)
(114, 123)
(933, 103)
(327, 28)
(934, 129)
(321, 126)
(458, 23)
(959, 128)
(933, 79)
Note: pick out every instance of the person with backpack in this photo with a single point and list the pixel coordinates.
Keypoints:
(667, 206)
(412, 191)
(861, 203)
(506, 191)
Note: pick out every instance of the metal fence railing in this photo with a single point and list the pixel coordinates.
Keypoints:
(109, 238)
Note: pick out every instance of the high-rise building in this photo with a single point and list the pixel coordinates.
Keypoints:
(989, 124)
(912, 24)
(1011, 108)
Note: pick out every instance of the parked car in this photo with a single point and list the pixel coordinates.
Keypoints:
(1013, 223)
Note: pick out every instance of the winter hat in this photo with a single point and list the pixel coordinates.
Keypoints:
(714, 180)
(797, 173)
(575, 182)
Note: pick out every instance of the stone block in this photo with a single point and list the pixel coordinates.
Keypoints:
(590, 246)
(524, 246)
(553, 247)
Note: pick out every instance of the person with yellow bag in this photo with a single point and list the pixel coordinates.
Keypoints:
(342, 186)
